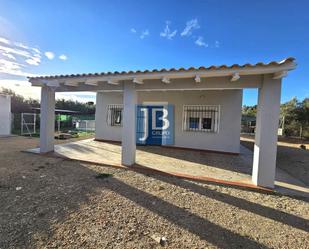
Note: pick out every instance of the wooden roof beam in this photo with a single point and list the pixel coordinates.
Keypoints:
(166, 80)
(235, 77)
(197, 79)
(112, 82)
(138, 81)
(280, 75)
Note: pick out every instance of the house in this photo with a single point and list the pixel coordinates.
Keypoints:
(197, 108)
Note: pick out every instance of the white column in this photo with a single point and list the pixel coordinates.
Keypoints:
(265, 148)
(129, 123)
(47, 122)
(99, 116)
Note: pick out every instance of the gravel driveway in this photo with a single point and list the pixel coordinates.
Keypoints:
(54, 203)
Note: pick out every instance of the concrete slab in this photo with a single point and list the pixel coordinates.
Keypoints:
(234, 168)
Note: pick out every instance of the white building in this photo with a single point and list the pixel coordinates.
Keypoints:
(206, 104)
(5, 115)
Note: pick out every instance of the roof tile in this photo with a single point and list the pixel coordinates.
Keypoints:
(181, 69)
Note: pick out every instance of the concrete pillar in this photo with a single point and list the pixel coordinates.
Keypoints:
(47, 122)
(265, 148)
(99, 116)
(129, 123)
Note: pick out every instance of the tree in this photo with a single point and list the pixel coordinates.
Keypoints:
(293, 114)
(19, 104)
(301, 114)
(249, 110)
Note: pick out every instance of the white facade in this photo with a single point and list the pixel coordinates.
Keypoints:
(5, 115)
(226, 139)
(215, 85)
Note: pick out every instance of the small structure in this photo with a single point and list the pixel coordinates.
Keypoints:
(85, 125)
(63, 117)
(248, 124)
(197, 108)
(5, 115)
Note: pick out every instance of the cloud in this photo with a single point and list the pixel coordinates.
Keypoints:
(5, 41)
(13, 68)
(49, 55)
(36, 50)
(15, 56)
(144, 34)
(24, 88)
(10, 56)
(133, 30)
(167, 32)
(21, 87)
(63, 57)
(21, 45)
(15, 51)
(77, 96)
(190, 26)
(200, 42)
(217, 44)
(35, 60)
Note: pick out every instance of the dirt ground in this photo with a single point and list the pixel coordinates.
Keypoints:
(290, 157)
(55, 203)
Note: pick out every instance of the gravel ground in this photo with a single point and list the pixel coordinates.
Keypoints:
(55, 203)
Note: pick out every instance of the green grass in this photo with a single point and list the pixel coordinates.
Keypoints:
(103, 175)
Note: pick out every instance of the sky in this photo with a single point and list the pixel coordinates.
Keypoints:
(65, 37)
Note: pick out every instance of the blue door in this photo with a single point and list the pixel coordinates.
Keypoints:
(155, 124)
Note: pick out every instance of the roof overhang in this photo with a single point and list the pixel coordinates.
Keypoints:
(234, 72)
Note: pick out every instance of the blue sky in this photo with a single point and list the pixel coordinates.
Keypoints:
(95, 36)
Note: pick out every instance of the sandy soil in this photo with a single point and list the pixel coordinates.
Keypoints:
(54, 203)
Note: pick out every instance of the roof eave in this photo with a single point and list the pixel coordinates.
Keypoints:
(204, 73)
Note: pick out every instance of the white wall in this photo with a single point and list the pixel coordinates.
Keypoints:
(5, 115)
(103, 130)
(227, 140)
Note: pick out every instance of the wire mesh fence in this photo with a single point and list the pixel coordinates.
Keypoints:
(28, 124)
(85, 125)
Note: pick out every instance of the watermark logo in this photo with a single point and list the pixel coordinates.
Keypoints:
(155, 124)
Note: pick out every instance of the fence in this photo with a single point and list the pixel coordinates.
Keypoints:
(29, 123)
(85, 125)
(25, 124)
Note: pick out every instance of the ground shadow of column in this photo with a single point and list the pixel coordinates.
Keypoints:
(206, 230)
(267, 212)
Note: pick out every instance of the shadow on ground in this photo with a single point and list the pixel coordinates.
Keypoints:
(53, 188)
(294, 161)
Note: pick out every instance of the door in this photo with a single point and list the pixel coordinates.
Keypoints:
(155, 124)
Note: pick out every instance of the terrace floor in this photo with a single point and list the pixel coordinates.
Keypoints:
(208, 166)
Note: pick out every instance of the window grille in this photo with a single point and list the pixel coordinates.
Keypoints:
(201, 118)
(114, 115)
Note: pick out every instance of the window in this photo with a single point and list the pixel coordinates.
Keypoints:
(114, 115)
(193, 123)
(203, 118)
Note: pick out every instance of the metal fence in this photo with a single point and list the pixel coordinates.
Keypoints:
(28, 123)
(85, 125)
